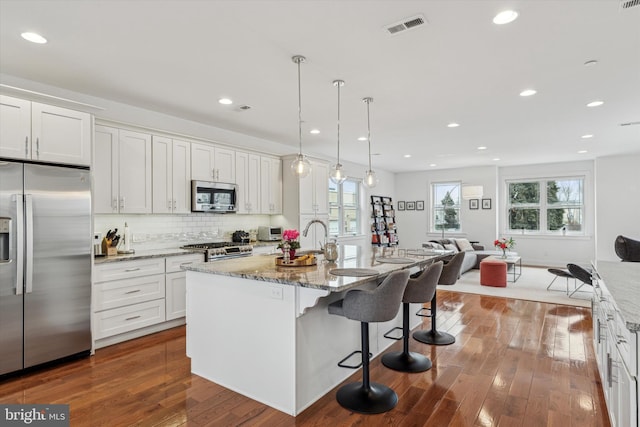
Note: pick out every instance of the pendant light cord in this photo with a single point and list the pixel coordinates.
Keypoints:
(368, 100)
(299, 60)
(338, 83)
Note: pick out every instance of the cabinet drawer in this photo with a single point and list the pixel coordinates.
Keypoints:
(174, 262)
(129, 318)
(128, 269)
(119, 293)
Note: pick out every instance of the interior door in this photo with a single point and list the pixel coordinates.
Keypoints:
(11, 264)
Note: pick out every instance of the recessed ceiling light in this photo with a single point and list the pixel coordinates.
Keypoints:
(362, 138)
(314, 131)
(453, 125)
(505, 17)
(582, 151)
(34, 38)
(406, 156)
(433, 165)
(225, 101)
(528, 92)
(595, 103)
(495, 159)
(586, 136)
(482, 147)
(590, 63)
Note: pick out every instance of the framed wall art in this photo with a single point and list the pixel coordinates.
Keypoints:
(473, 203)
(411, 206)
(420, 205)
(400, 206)
(486, 203)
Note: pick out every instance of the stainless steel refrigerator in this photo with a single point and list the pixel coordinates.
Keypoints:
(45, 264)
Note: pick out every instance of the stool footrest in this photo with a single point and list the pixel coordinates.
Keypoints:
(388, 334)
(343, 365)
(419, 312)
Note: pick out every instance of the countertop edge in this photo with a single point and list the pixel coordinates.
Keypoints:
(622, 279)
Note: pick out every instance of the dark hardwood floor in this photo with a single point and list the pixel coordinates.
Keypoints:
(515, 363)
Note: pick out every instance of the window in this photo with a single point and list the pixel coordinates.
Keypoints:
(445, 206)
(546, 205)
(344, 208)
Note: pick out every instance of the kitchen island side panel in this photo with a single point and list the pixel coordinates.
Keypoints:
(241, 335)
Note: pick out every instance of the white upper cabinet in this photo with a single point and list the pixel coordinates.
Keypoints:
(35, 131)
(314, 190)
(134, 172)
(211, 163)
(171, 175)
(105, 170)
(248, 181)
(122, 171)
(270, 185)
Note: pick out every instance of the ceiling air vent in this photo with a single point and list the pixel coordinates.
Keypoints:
(628, 4)
(407, 24)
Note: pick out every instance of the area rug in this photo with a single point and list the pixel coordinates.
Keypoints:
(532, 286)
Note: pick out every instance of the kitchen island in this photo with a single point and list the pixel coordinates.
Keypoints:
(264, 331)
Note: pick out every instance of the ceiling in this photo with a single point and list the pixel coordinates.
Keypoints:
(180, 57)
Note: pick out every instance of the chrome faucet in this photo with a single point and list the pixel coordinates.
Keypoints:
(317, 221)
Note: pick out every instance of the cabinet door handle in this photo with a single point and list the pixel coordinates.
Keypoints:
(132, 269)
(114, 205)
(169, 204)
(122, 200)
(132, 318)
(175, 205)
(186, 263)
(38, 148)
(26, 146)
(621, 339)
(133, 292)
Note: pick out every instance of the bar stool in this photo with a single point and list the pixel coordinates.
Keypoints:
(433, 336)
(419, 290)
(376, 305)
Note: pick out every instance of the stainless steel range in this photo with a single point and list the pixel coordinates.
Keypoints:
(220, 250)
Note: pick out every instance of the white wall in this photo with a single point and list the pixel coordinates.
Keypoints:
(477, 225)
(618, 206)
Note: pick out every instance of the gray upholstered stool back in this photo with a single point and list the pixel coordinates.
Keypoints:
(451, 271)
(373, 305)
(423, 287)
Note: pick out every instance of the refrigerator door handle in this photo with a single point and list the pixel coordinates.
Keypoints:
(19, 244)
(29, 243)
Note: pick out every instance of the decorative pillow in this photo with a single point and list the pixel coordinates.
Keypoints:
(464, 245)
(433, 245)
(451, 247)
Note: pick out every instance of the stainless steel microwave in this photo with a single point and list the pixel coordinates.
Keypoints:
(214, 197)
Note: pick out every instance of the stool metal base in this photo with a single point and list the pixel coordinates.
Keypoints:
(406, 362)
(376, 399)
(434, 337)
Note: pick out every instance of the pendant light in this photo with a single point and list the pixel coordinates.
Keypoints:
(370, 179)
(301, 165)
(337, 175)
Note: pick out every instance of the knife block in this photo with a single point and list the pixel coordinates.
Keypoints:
(107, 249)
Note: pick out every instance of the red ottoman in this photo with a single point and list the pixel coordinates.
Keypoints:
(493, 272)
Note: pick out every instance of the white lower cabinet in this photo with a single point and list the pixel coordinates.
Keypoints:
(138, 297)
(176, 305)
(616, 350)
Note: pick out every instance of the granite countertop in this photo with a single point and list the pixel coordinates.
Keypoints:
(152, 253)
(264, 268)
(622, 279)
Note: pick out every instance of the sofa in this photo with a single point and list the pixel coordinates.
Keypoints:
(473, 252)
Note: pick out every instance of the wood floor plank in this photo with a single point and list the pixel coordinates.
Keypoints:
(514, 363)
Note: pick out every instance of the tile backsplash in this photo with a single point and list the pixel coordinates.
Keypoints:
(170, 231)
